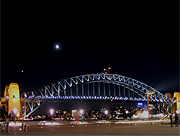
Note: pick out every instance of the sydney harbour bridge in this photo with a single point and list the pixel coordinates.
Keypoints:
(97, 86)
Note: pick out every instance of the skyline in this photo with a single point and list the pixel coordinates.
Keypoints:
(141, 43)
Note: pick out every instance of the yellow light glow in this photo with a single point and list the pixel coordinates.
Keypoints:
(150, 93)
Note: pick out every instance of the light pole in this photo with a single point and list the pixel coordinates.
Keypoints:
(127, 114)
(109, 68)
(148, 93)
(51, 111)
(106, 113)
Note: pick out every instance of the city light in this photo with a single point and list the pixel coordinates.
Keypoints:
(140, 104)
(51, 111)
(81, 111)
(106, 112)
(109, 68)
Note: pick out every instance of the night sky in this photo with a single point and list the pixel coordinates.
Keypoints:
(136, 39)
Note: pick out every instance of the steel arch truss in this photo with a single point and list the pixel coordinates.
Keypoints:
(97, 86)
(30, 105)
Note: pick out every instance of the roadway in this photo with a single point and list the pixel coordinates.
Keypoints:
(94, 128)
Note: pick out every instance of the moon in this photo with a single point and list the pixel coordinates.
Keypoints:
(57, 46)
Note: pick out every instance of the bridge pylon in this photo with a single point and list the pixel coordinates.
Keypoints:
(12, 95)
(177, 97)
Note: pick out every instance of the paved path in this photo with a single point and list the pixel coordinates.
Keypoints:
(136, 129)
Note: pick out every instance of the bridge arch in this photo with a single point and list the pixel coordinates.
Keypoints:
(63, 88)
(92, 86)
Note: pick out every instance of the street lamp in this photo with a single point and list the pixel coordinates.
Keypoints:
(148, 93)
(109, 68)
(51, 111)
(81, 111)
(106, 113)
(127, 113)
